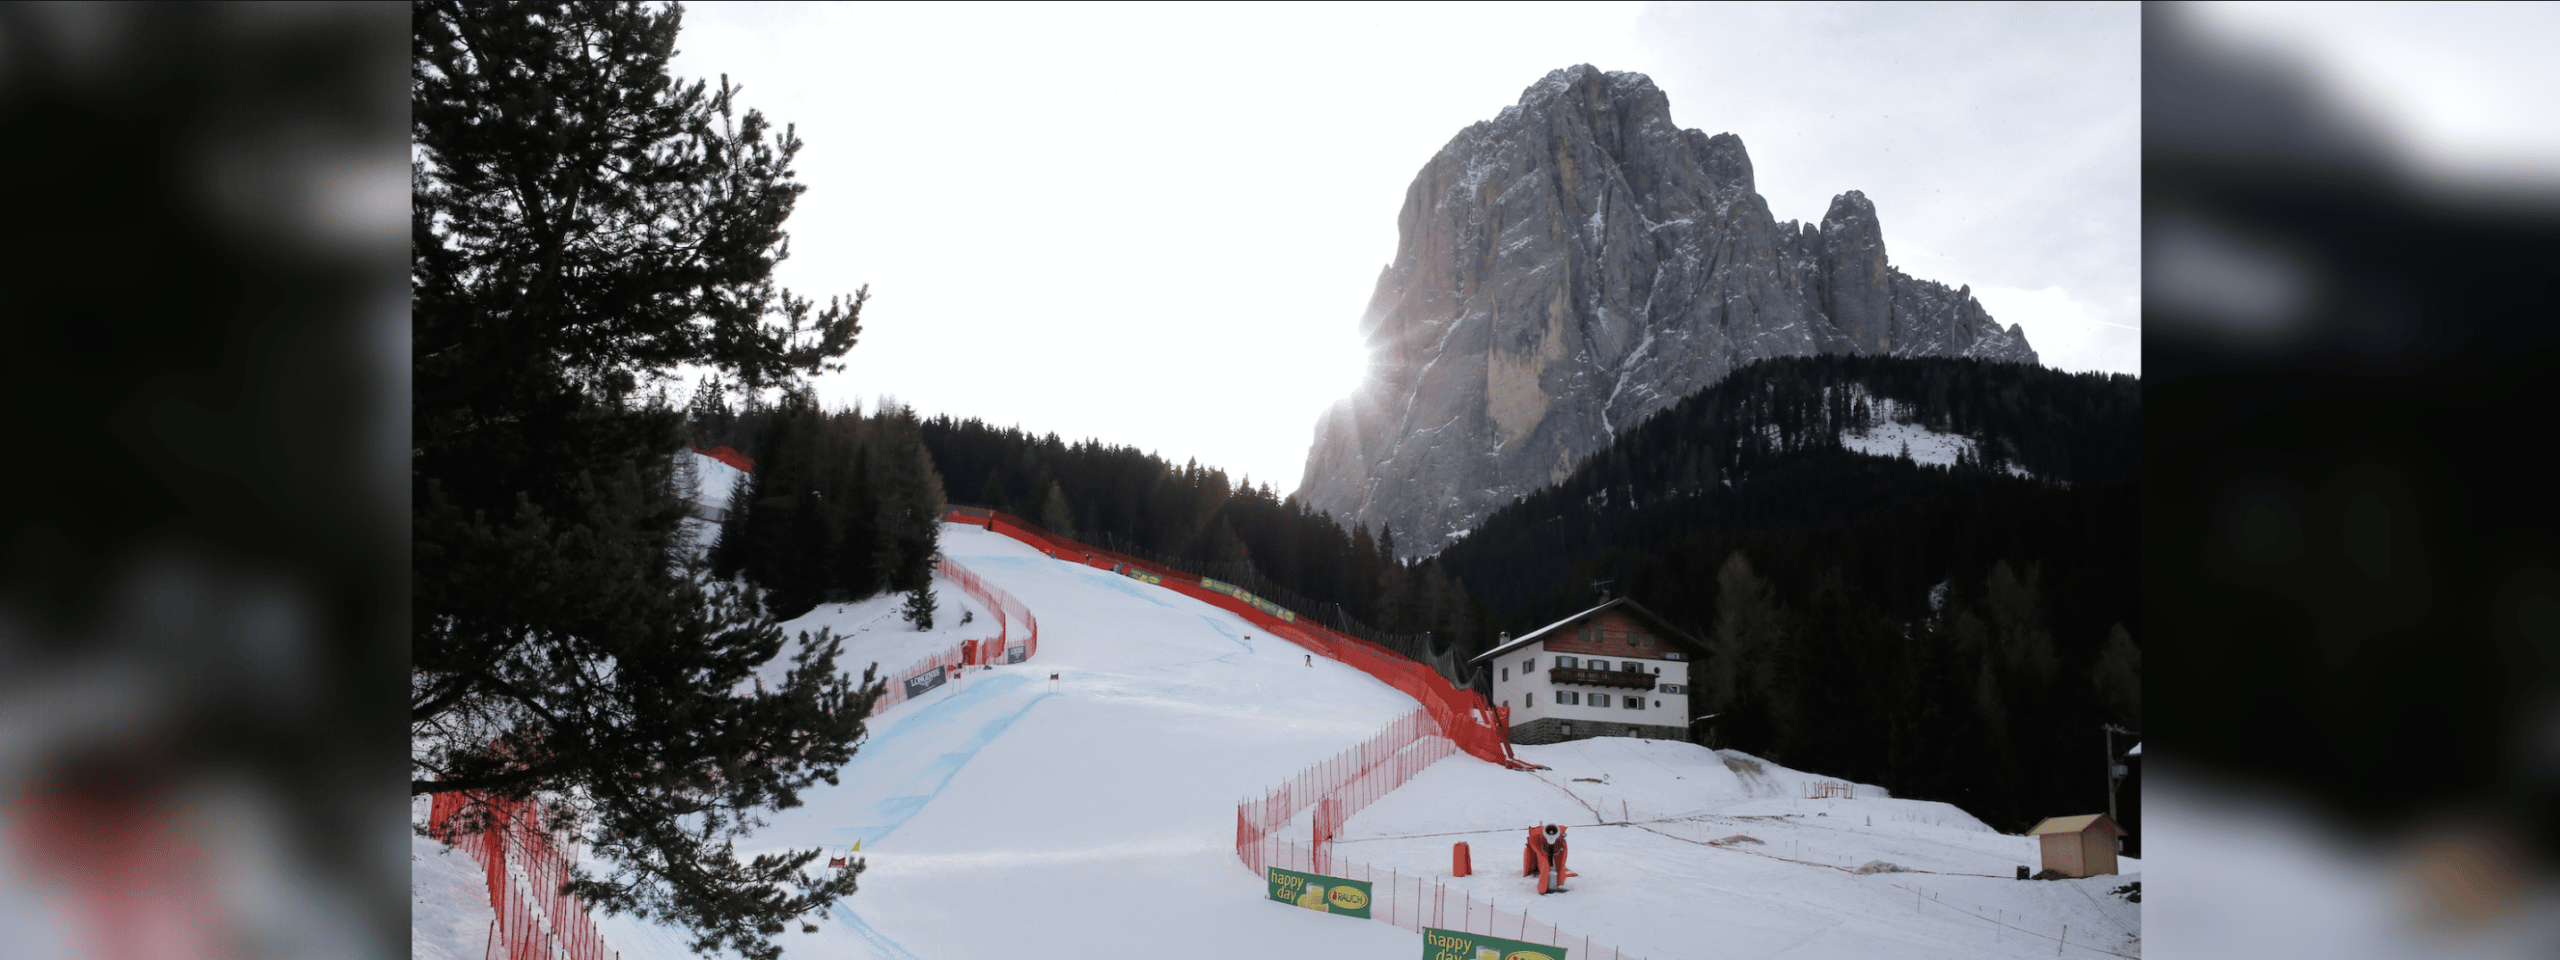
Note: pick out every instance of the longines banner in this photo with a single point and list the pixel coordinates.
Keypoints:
(1239, 593)
(1316, 891)
(1438, 944)
(918, 684)
(1142, 576)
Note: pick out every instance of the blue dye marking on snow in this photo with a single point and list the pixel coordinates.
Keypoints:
(927, 781)
(894, 812)
(879, 942)
(1229, 634)
(1135, 589)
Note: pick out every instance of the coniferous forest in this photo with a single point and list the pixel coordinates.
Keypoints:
(1953, 631)
(1129, 500)
(841, 506)
(1957, 632)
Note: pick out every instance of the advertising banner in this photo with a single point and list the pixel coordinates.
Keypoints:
(918, 684)
(1142, 576)
(1266, 606)
(1438, 944)
(1013, 654)
(1316, 891)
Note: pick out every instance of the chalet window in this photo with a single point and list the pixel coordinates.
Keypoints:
(1529, 666)
(1599, 699)
(1506, 674)
(1568, 696)
(1634, 703)
(1565, 663)
(1638, 639)
(1669, 688)
(1565, 729)
(1630, 666)
(1528, 700)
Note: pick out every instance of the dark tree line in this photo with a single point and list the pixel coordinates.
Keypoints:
(1126, 499)
(841, 506)
(1952, 632)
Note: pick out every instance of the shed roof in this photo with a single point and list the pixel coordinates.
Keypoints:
(2076, 824)
(1629, 603)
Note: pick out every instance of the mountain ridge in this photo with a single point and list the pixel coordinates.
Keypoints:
(1578, 262)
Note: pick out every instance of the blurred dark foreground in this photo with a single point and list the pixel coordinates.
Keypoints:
(2352, 566)
(2352, 561)
(203, 573)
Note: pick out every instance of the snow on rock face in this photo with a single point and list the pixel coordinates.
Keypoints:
(1578, 263)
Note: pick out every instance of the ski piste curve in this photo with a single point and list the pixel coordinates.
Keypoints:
(998, 817)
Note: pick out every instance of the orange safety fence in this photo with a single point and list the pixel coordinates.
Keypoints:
(1348, 783)
(1424, 900)
(1342, 785)
(526, 867)
(1464, 716)
(1006, 646)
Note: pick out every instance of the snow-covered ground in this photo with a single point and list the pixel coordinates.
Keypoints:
(1008, 815)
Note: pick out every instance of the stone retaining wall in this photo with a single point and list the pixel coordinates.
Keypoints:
(1555, 730)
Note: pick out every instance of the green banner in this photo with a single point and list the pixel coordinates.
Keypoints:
(1438, 944)
(1316, 891)
(1143, 576)
(1266, 606)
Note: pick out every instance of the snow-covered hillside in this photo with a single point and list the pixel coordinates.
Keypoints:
(1094, 816)
(1890, 435)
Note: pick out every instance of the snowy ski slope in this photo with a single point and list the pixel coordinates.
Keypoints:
(1006, 816)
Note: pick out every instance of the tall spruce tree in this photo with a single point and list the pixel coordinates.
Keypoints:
(581, 226)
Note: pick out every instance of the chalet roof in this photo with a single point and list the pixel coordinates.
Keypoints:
(1630, 607)
(2076, 824)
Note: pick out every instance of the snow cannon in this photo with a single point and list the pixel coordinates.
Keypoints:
(1544, 858)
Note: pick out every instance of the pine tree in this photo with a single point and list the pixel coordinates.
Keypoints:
(581, 227)
(919, 607)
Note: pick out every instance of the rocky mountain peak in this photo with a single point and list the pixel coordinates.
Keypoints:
(1575, 264)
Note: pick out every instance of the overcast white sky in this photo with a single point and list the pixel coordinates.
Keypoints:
(1158, 225)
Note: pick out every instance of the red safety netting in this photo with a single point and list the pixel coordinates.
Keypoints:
(1464, 716)
(1341, 786)
(1449, 721)
(526, 867)
(1007, 646)
(1421, 901)
(730, 456)
(1348, 783)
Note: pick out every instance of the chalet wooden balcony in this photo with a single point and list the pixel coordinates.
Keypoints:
(1602, 678)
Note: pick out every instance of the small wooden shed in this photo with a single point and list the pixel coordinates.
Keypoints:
(2082, 846)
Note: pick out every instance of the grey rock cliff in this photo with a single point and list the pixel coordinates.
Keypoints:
(1573, 265)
